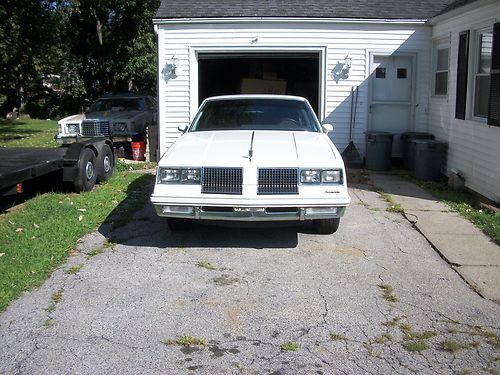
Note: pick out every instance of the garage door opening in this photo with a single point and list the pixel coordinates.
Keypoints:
(260, 73)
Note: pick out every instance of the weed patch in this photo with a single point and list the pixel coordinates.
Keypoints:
(388, 293)
(187, 341)
(393, 206)
(337, 337)
(289, 346)
(453, 346)
(75, 269)
(205, 264)
(415, 346)
(54, 300)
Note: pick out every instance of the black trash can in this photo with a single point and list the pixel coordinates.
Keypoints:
(378, 150)
(406, 139)
(428, 158)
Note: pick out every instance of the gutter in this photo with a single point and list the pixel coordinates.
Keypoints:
(164, 21)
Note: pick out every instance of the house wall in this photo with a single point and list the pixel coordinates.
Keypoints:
(178, 98)
(473, 146)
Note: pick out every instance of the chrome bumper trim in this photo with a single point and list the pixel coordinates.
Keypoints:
(253, 214)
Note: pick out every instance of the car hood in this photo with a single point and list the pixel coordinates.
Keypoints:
(269, 149)
(73, 118)
(113, 115)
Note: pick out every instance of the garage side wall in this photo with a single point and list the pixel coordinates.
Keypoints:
(473, 146)
(177, 94)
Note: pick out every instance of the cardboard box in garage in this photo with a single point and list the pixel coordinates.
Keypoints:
(263, 86)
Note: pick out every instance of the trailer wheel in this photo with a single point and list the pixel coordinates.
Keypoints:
(105, 164)
(86, 175)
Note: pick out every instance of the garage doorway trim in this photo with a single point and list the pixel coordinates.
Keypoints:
(195, 51)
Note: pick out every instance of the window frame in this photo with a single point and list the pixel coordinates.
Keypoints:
(476, 61)
(440, 44)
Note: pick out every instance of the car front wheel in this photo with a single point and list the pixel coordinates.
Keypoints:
(326, 226)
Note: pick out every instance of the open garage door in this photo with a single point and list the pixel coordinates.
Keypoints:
(260, 73)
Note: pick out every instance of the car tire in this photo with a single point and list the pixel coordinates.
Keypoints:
(86, 175)
(177, 225)
(105, 164)
(326, 226)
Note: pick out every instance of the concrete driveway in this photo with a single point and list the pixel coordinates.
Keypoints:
(373, 298)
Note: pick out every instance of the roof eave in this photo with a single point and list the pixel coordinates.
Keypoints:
(460, 11)
(161, 21)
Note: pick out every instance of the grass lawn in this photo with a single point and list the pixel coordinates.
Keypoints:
(38, 237)
(28, 133)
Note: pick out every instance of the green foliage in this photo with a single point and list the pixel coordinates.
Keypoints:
(57, 56)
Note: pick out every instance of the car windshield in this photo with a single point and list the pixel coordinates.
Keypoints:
(255, 114)
(117, 104)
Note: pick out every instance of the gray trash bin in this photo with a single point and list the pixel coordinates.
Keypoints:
(429, 156)
(406, 139)
(378, 150)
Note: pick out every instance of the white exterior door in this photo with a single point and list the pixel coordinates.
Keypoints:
(391, 104)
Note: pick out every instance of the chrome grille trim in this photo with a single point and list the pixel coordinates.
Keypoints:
(221, 180)
(94, 127)
(278, 181)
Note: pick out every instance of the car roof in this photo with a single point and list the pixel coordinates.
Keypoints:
(256, 96)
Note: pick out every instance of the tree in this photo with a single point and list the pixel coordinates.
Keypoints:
(89, 47)
(114, 45)
(26, 45)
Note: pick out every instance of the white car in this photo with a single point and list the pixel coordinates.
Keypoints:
(252, 158)
(121, 117)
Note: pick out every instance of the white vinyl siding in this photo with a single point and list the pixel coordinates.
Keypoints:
(178, 101)
(473, 146)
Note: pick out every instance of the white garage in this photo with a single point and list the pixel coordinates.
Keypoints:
(326, 51)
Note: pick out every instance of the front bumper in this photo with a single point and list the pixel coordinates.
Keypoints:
(249, 213)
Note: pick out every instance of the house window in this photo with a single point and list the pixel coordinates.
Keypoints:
(482, 75)
(441, 63)
(380, 73)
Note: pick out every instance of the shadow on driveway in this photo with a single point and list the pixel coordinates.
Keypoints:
(146, 229)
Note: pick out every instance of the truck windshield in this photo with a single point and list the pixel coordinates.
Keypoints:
(255, 114)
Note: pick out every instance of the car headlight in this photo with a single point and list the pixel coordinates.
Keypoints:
(310, 176)
(315, 176)
(178, 176)
(72, 128)
(331, 176)
(120, 126)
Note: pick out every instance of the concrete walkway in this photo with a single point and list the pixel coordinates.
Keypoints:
(468, 250)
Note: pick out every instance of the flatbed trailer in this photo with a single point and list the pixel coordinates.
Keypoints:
(83, 164)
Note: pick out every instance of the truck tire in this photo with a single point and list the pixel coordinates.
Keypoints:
(86, 175)
(326, 226)
(105, 163)
(177, 225)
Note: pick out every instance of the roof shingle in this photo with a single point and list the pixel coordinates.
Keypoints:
(365, 9)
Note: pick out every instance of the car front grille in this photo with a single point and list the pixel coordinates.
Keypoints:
(278, 181)
(93, 128)
(222, 180)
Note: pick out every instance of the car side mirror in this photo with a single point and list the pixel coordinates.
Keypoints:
(327, 128)
(183, 128)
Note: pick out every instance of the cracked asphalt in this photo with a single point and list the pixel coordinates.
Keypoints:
(374, 298)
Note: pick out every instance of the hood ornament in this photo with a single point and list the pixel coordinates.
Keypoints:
(250, 151)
